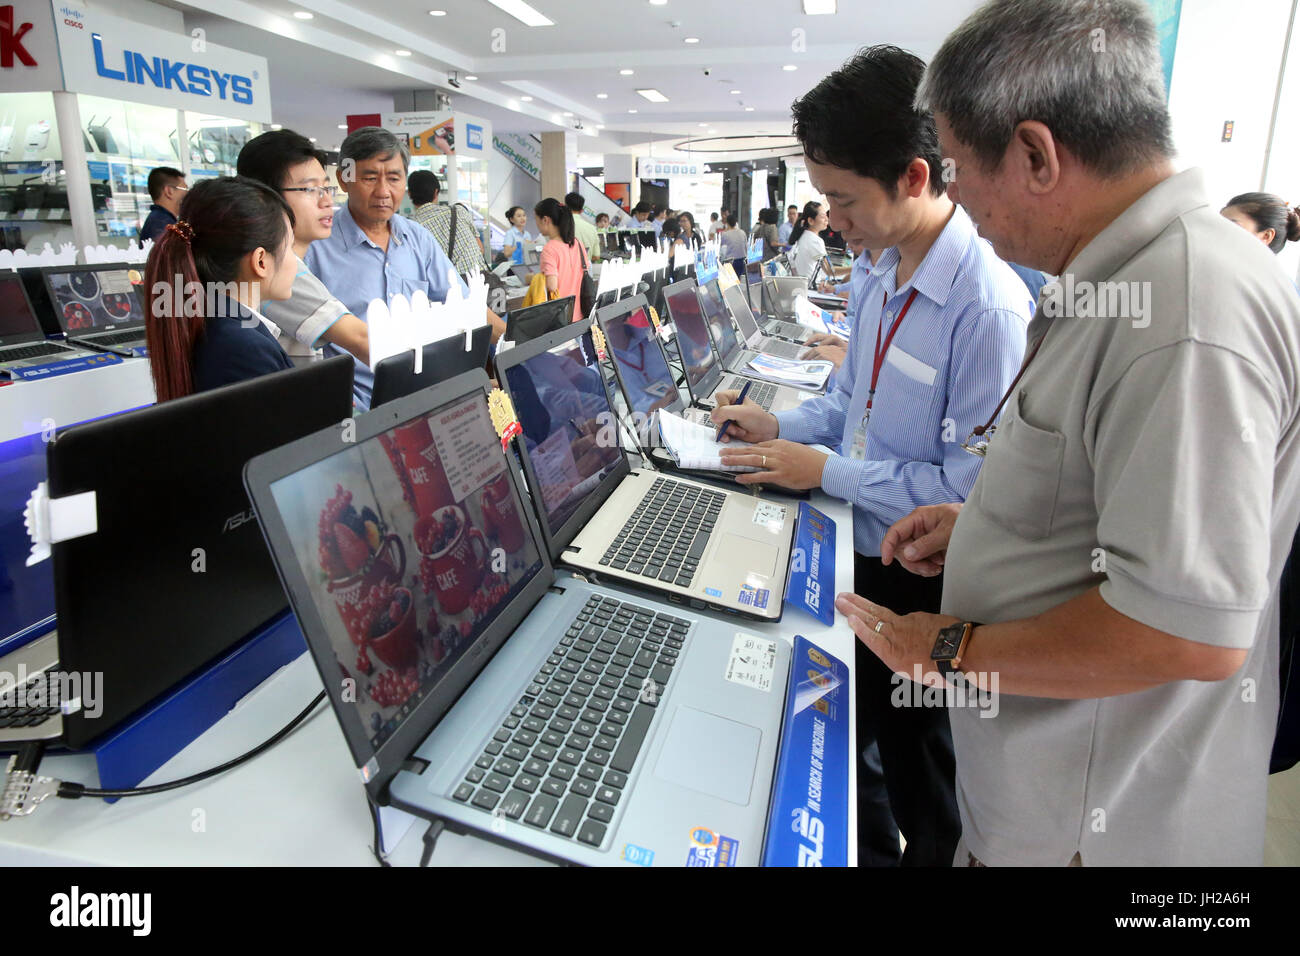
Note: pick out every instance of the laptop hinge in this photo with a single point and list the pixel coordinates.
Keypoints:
(415, 765)
(555, 589)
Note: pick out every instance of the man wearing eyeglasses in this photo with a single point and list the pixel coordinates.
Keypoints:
(166, 188)
(289, 163)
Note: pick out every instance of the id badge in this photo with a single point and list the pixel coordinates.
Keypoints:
(858, 450)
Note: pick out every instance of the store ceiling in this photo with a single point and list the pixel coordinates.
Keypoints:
(344, 60)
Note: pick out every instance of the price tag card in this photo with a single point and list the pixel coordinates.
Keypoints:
(808, 819)
(64, 366)
(811, 586)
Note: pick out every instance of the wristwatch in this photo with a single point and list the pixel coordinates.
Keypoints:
(951, 646)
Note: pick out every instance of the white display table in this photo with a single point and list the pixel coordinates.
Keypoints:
(25, 407)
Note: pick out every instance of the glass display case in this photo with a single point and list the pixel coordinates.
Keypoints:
(33, 192)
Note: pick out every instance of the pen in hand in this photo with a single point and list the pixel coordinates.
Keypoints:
(744, 390)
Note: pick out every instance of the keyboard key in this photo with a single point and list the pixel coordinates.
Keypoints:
(506, 767)
(592, 832)
(615, 779)
(554, 787)
(552, 739)
(475, 775)
(589, 771)
(495, 781)
(493, 747)
(525, 738)
(516, 752)
(562, 771)
(570, 756)
(610, 729)
(544, 753)
(660, 673)
(535, 767)
(578, 742)
(569, 815)
(632, 739)
(485, 800)
(485, 761)
(583, 786)
(513, 803)
(463, 792)
(540, 810)
(527, 782)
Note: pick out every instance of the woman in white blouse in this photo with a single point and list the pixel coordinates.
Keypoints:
(806, 247)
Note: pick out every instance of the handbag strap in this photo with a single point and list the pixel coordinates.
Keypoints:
(451, 246)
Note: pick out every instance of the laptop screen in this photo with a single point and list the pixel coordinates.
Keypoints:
(715, 310)
(754, 283)
(741, 311)
(91, 299)
(16, 316)
(411, 544)
(683, 303)
(535, 321)
(647, 382)
(570, 432)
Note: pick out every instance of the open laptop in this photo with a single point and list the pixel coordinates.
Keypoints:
(734, 355)
(532, 708)
(726, 550)
(836, 303)
(446, 358)
(529, 323)
(640, 365)
(705, 374)
(98, 306)
(132, 605)
(751, 334)
(779, 295)
(22, 340)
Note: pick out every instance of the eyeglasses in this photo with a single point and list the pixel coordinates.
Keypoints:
(317, 192)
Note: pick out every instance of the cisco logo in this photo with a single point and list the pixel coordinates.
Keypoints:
(475, 135)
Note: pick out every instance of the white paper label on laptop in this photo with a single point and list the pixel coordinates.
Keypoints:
(752, 662)
(769, 516)
(468, 462)
(115, 282)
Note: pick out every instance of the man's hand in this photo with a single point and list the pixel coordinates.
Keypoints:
(903, 640)
(920, 541)
(827, 348)
(826, 339)
(826, 287)
(783, 463)
(749, 422)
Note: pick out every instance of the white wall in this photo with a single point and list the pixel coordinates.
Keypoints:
(511, 186)
(1283, 176)
(1226, 68)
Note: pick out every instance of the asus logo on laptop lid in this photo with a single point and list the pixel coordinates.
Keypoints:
(240, 518)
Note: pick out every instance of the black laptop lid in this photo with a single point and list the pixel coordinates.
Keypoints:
(570, 442)
(17, 319)
(177, 572)
(408, 556)
(639, 362)
(523, 325)
(99, 298)
(693, 342)
(442, 360)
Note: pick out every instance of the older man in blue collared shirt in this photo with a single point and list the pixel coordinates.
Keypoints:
(939, 336)
(373, 253)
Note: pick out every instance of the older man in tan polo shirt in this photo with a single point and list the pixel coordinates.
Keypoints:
(1113, 573)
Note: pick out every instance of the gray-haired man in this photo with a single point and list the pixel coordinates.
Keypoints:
(1119, 554)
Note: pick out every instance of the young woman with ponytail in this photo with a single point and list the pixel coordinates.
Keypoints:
(1268, 217)
(564, 260)
(207, 275)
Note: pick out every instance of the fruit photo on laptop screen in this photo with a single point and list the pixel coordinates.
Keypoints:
(411, 543)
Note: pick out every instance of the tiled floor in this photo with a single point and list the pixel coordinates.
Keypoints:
(1282, 841)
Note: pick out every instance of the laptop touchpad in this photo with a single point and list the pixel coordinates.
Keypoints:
(738, 551)
(710, 754)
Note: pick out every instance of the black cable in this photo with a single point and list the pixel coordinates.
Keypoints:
(374, 819)
(73, 791)
(430, 840)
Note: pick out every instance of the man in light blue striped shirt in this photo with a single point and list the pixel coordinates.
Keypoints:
(947, 319)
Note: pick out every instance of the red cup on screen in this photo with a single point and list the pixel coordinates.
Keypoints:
(455, 556)
(501, 516)
(424, 475)
(397, 644)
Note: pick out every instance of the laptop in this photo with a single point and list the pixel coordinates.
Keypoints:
(446, 358)
(529, 323)
(131, 605)
(751, 334)
(705, 374)
(685, 540)
(22, 340)
(779, 295)
(640, 365)
(482, 688)
(822, 299)
(98, 306)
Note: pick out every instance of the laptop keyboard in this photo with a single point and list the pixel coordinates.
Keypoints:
(562, 757)
(119, 338)
(789, 330)
(667, 534)
(762, 394)
(31, 351)
(782, 349)
(35, 703)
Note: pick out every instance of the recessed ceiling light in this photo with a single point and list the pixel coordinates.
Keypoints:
(789, 67)
(567, 113)
(471, 77)
(437, 13)
(303, 14)
(602, 96)
(818, 7)
(523, 13)
(702, 125)
(631, 111)
(691, 40)
(654, 96)
(626, 72)
(600, 127)
(658, 3)
(749, 109)
(343, 125)
(735, 92)
(525, 99)
(402, 52)
(276, 126)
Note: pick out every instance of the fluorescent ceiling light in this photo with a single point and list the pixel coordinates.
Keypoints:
(735, 92)
(523, 13)
(343, 125)
(567, 113)
(276, 126)
(602, 96)
(471, 77)
(631, 111)
(658, 3)
(437, 13)
(525, 99)
(626, 72)
(654, 96)
(749, 109)
(789, 67)
(702, 125)
(818, 7)
(303, 14)
(402, 52)
(691, 40)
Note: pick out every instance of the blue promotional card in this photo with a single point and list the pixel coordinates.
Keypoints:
(65, 366)
(755, 251)
(811, 586)
(808, 823)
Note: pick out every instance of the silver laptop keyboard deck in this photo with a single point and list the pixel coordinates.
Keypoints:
(563, 755)
(32, 351)
(790, 330)
(666, 535)
(762, 394)
(119, 338)
(782, 349)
